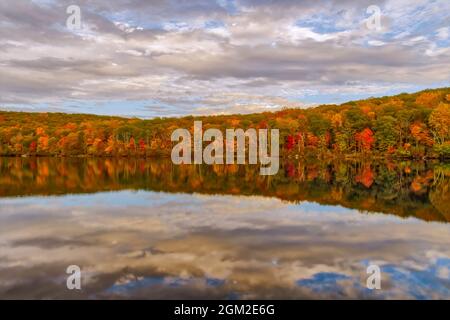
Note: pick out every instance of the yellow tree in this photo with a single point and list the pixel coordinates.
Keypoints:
(428, 99)
(421, 134)
(42, 144)
(440, 122)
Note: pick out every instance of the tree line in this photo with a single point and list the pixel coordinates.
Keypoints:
(403, 126)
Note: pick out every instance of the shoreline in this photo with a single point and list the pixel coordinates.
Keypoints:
(283, 157)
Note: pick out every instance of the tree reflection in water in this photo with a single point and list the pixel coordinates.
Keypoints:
(405, 189)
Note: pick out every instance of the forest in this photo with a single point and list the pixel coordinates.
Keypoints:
(405, 126)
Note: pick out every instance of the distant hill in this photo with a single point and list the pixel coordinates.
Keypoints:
(406, 125)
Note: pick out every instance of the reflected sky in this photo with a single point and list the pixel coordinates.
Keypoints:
(157, 245)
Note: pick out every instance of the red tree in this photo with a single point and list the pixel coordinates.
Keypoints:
(365, 139)
(33, 147)
(290, 142)
(141, 144)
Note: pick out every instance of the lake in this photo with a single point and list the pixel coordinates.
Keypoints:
(142, 228)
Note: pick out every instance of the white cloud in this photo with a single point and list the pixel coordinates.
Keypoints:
(443, 33)
(173, 53)
(376, 43)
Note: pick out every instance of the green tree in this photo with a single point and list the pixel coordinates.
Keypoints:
(385, 132)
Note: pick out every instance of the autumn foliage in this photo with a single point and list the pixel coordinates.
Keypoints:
(406, 126)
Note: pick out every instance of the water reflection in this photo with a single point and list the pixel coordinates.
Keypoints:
(225, 233)
(418, 189)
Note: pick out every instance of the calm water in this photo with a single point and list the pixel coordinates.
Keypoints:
(148, 229)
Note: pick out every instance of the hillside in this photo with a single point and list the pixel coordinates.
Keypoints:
(407, 126)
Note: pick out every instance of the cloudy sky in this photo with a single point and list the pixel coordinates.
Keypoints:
(150, 58)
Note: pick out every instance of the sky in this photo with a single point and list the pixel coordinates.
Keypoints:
(156, 58)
